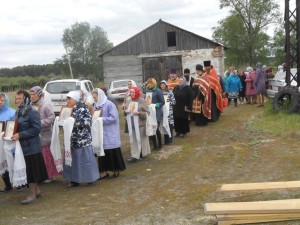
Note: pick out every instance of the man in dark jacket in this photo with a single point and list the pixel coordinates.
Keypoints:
(188, 77)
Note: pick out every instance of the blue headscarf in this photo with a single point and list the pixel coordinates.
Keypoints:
(6, 101)
(6, 113)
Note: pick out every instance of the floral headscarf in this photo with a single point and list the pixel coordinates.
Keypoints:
(25, 105)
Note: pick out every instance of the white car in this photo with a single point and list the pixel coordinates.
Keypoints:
(55, 91)
(278, 83)
(118, 88)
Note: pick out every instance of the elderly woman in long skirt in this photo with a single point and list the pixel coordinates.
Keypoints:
(47, 119)
(139, 144)
(113, 159)
(260, 84)
(84, 165)
(29, 128)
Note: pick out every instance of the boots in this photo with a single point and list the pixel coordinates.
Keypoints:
(166, 137)
(159, 141)
(153, 140)
(7, 183)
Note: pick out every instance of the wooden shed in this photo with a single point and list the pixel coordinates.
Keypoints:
(153, 51)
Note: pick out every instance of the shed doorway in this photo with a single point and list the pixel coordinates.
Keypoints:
(158, 67)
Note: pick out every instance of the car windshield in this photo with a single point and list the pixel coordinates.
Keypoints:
(118, 84)
(61, 87)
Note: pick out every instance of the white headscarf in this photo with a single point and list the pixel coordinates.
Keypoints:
(249, 69)
(75, 95)
(101, 99)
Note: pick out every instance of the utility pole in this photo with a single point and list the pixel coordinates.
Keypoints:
(69, 62)
(292, 46)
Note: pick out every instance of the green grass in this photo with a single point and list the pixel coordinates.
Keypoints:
(275, 123)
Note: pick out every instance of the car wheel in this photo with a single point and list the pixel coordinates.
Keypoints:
(287, 100)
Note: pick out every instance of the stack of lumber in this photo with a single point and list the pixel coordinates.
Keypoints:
(228, 213)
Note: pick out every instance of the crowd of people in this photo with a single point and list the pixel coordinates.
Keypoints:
(249, 86)
(151, 114)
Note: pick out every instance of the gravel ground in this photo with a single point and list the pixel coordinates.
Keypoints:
(171, 186)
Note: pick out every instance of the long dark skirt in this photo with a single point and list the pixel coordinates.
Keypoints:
(201, 120)
(182, 125)
(112, 161)
(35, 168)
(215, 113)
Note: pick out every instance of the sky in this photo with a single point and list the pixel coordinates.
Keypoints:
(31, 30)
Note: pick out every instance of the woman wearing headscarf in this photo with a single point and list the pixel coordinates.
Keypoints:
(233, 87)
(83, 168)
(6, 113)
(260, 84)
(157, 99)
(113, 159)
(47, 119)
(127, 99)
(29, 128)
(184, 97)
(171, 99)
(242, 92)
(139, 143)
(250, 90)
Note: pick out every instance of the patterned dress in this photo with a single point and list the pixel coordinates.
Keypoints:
(84, 167)
(172, 101)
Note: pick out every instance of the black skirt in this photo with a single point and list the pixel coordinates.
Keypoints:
(182, 125)
(112, 161)
(35, 168)
(201, 120)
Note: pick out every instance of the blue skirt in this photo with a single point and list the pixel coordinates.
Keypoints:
(84, 166)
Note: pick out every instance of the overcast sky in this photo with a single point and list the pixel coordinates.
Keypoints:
(31, 30)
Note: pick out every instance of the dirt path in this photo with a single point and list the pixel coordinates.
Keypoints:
(171, 186)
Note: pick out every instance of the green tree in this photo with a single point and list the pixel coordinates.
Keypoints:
(243, 32)
(83, 45)
(278, 45)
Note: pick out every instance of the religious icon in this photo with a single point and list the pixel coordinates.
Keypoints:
(97, 114)
(133, 107)
(65, 112)
(2, 126)
(149, 98)
(10, 128)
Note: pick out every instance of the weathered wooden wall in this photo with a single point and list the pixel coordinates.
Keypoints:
(191, 58)
(139, 68)
(147, 54)
(122, 67)
(154, 40)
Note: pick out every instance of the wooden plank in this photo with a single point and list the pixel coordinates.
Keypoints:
(274, 206)
(258, 216)
(260, 186)
(230, 222)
